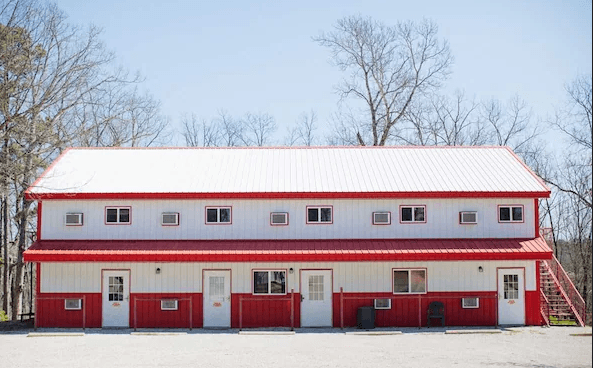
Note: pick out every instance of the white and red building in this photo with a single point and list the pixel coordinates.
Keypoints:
(256, 237)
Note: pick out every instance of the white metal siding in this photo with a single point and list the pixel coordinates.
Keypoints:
(352, 276)
(251, 219)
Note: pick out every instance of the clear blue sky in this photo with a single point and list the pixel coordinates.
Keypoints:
(258, 56)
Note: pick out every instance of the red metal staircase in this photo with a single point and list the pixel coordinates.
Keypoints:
(561, 303)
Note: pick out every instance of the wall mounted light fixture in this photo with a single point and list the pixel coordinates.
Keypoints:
(291, 270)
(480, 269)
(158, 270)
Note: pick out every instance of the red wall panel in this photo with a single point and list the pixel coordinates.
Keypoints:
(411, 311)
(50, 311)
(533, 315)
(148, 313)
(264, 311)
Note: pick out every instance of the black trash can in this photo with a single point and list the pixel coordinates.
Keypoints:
(365, 318)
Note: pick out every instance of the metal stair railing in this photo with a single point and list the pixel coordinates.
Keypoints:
(567, 289)
(544, 307)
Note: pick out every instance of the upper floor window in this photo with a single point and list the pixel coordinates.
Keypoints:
(218, 215)
(510, 213)
(319, 215)
(412, 213)
(118, 215)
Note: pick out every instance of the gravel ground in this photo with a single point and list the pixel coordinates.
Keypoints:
(516, 347)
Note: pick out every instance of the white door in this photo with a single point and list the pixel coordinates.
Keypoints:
(511, 296)
(217, 299)
(316, 298)
(116, 298)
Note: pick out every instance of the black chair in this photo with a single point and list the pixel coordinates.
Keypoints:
(436, 310)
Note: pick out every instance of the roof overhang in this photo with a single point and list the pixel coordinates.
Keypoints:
(287, 250)
(285, 195)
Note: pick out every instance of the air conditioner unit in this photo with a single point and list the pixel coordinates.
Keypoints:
(170, 219)
(381, 218)
(468, 217)
(382, 304)
(470, 302)
(279, 218)
(73, 219)
(73, 304)
(169, 304)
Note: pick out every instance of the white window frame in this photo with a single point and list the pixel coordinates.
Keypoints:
(285, 223)
(409, 281)
(176, 307)
(269, 282)
(218, 208)
(119, 208)
(413, 207)
(388, 213)
(76, 308)
(80, 218)
(319, 208)
(170, 213)
(388, 303)
(463, 305)
(510, 207)
(467, 222)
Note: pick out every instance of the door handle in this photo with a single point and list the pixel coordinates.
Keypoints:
(302, 298)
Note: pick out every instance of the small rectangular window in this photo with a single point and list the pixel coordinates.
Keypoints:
(118, 215)
(319, 215)
(73, 219)
(411, 281)
(269, 282)
(470, 302)
(73, 304)
(278, 218)
(170, 218)
(412, 214)
(467, 217)
(510, 213)
(381, 218)
(169, 304)
(218, 215)
(382, 303)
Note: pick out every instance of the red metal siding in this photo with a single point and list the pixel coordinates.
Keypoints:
(533, 315)
(410, 311)
(50, 311)
(264, 311)
(145, 311)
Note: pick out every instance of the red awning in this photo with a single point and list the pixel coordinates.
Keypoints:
(286, 250)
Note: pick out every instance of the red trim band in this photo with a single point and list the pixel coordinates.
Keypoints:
(356, 256)
(286, 195)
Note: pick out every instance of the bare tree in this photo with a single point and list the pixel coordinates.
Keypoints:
(511, 124)
(231, 129)
(54, 80)
(197, 132)
(303, 132)
(575, 122)
(388, 67)
(258, 129)
(440, 120)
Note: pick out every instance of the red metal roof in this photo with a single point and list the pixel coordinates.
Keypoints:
(285, 250)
